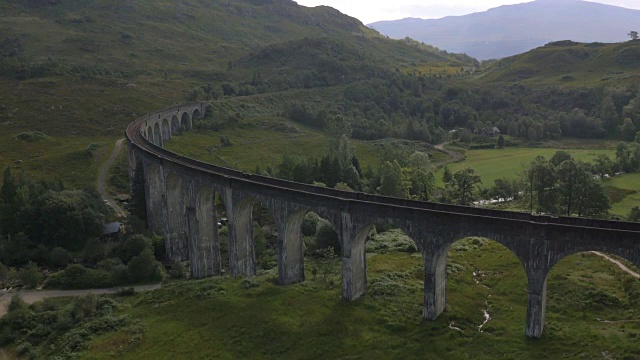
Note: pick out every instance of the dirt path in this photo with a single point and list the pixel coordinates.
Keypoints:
(3, 355)
(453, 156)
(620, 265)
(101, 183)
(31, 297)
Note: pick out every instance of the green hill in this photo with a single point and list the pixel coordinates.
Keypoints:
(568, 63)
(80, 71)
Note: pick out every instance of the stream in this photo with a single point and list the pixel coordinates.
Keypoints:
(485, 312)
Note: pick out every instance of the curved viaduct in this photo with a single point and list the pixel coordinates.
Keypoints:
(180, 195)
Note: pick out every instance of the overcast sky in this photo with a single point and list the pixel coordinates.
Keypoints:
(369, 11)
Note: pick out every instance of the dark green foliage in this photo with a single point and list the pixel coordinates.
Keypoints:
(30, 275)
(35, 136)
(76, 277)
(60, 257)
(325, 238)
(177, 271)
(567, 188)
(310, 224)
(93, 251)
(463, 188)
(64, 218)
(505, 188)
(132, 246)
(145, 268)
(58, 328)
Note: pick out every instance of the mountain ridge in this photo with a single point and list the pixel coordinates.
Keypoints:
(512, 29)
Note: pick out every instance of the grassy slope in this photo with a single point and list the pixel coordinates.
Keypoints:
(628, 182)
(493, 164)
(143, 56)
(571, 64)
(221, 318)
(256, 143)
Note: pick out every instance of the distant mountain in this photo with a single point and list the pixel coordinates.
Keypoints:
(513, 29)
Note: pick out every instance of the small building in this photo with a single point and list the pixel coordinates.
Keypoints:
(111, 232)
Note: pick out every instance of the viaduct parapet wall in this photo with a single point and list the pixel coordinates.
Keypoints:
(180, 194)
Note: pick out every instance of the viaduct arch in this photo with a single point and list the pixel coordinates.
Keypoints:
(180, 204)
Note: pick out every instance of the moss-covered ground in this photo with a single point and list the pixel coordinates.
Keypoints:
(592, 313)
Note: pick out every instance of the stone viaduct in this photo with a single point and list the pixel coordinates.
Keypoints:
(180, 195)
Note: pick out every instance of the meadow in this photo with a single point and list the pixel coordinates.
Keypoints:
(592, 310)
(492, 164)
(630, 182)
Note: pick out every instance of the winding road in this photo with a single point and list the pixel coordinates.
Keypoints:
(101, 183)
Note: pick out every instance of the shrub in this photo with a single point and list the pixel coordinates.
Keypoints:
(145, 267)
(93, 251)
(310, 224)
(260, 242)
(177, 270)
(30, 275)
(17, 304)
(132, 246)
(32, 136)
(325, 238)
(119, 274)
(60, 257)
(76, 277)
(391, 241)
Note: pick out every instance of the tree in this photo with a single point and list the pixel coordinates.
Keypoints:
(463, 186)
(532, 135)
(391, 179)
(559, 157)
(30, 275)
(633, 35)
(572, 180)
(627, 130)
(4, 275)
(501, 141)
(541, 185)
(602, 165)
(634, 214)
(447, 177)
(145, 267)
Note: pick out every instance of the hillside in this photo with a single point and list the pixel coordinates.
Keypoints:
(81, 71)
(513, 29)
(569, 63)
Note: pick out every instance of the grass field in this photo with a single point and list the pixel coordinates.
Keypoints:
(493, 164)
(590, 312)
(255, 142)
(627, 182)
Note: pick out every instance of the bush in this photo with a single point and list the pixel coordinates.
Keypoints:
(17, 304)
(145, 267)
(391, 241)
(131, 247)
(310, 224)
(119, 274)
(30, 275)
(93, 251)
(33, 136)
(177, 270)
(76, 277)
(260, 242)
(60, 257)
(325, 238)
